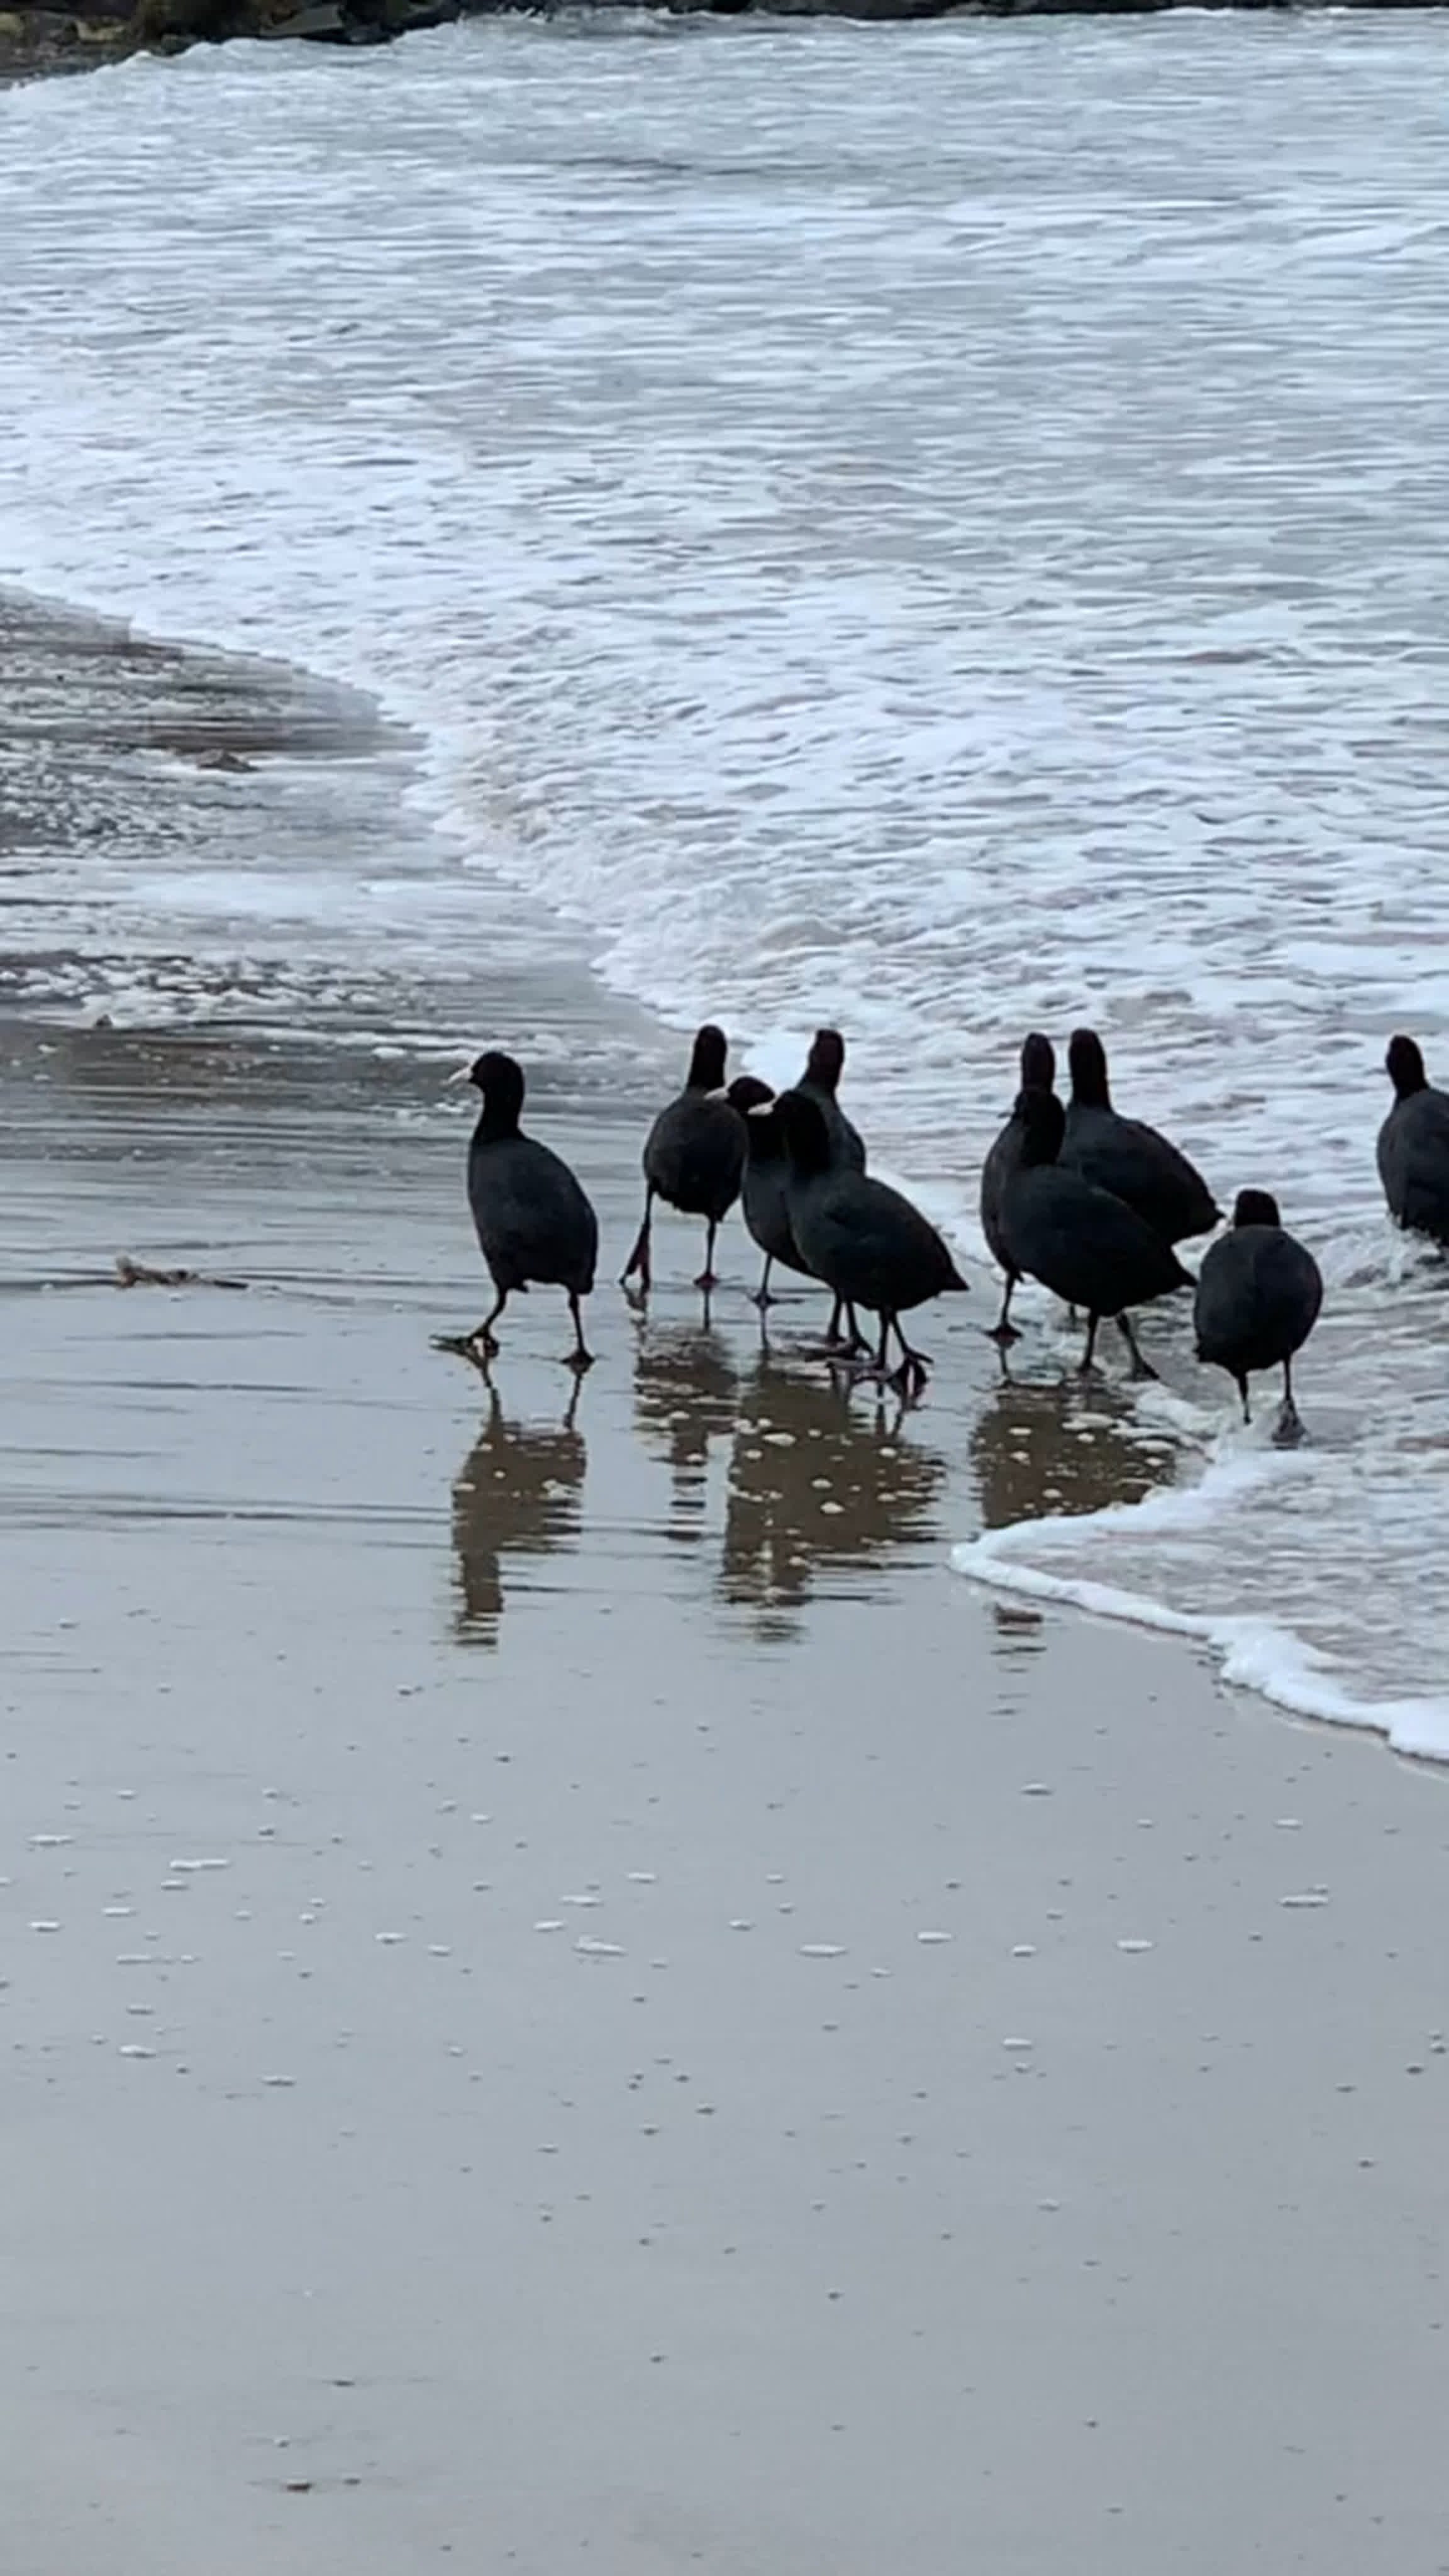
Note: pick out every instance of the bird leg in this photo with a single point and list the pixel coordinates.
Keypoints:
(485, 1339)
(1288, 1430)
(762, 1296)
(850, 1344)
(1003, 1332)
(1089, 1352)
(911, 1376)
(639, 1258)
(580, 1357)
(707, 1279)
(1140, 1366)
(1243, 1392)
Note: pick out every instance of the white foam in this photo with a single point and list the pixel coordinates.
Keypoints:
(1256, 1654)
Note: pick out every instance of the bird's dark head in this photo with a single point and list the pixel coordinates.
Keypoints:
(1404, 1065)
(1256, 1207)
(1038, 1063)
(1043, 1125)
(807, 1138)
(1088, 1060)
(755, 1101)
(747, 1092)
(826, 1060)
(707, 1060)
(500, 1080)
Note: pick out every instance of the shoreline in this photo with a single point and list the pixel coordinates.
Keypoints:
(571, 1987)
(216, 711)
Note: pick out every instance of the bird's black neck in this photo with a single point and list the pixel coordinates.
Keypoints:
(822, 1077)
(763, 1140)
(1090, 1089)
(707, 1062)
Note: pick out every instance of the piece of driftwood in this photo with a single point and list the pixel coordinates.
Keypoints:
(139, 1274)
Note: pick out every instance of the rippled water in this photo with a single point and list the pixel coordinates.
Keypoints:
(939, 526)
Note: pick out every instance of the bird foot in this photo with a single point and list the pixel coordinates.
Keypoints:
(706, 1281)
(466, 1346)
(855, 1358)
(578, 1361)
(848, 1346)
(637, 1265)
(1003, 1335)
(909, 1380)
(760, 1297)
(637, 1293)
(1142, 1369)
(1288, 1431)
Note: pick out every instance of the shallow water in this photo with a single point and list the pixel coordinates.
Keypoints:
(935, 527)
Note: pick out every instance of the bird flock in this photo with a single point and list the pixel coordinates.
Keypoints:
(1089, 1203)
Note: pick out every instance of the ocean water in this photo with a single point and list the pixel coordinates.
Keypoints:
(938, 527)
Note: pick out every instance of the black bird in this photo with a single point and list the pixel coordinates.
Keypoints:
(765, 1201)
(534, 1223)
(767, 1178)
(864, 1240)
(1085, 1245)
(820, 1082)
(1038, 1073)
(694, 1156)
(1414, 1145)
(1126, 1156)
(1258, 1295)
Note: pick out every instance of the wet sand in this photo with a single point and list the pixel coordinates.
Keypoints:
(573, 1996)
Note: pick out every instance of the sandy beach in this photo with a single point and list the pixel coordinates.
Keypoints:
(573, 1995)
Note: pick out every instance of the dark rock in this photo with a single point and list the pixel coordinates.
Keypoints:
(319, 21)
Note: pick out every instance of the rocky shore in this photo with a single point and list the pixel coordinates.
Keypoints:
(35, 39)
(35, 36)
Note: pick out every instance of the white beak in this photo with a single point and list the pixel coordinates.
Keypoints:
(464, 1073)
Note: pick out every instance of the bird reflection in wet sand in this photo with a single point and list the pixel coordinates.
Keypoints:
(518, 1494)
(819, 1487)
(686, 1394)
(1040, 1450)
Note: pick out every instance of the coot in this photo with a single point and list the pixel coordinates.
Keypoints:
(867, 1242)
(767, 1175)
(1126, 1156)
(1088, 1247)
(1258, 1295)
(1414, 1145)
(1038, 1073)
(767, 1213)
(694, 1156)
(535, 1225)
